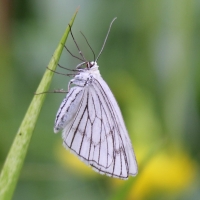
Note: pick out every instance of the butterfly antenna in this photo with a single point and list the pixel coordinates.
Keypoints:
(88, 44)
(80, 52)
(105, 38)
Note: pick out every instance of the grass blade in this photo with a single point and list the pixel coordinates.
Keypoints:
(15, 158)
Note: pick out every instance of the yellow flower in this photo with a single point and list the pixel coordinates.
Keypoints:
(166, 172)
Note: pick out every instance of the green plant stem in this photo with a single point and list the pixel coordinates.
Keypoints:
(15, 158)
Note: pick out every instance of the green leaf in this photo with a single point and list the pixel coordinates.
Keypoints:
(15, 158)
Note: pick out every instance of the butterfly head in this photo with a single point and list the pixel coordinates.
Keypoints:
(92, 65)
(91, 68)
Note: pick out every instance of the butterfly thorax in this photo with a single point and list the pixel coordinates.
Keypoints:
(87, 75)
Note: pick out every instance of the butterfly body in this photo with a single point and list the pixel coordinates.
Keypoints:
(93, 127)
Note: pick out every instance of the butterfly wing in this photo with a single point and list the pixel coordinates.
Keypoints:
(96, 133)
(124, 159)
(68, 108)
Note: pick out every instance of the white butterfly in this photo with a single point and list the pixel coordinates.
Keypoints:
(93, 127)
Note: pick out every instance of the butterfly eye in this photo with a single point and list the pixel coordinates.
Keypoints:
(90, 65)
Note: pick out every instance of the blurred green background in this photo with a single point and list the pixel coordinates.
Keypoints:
(151, 63)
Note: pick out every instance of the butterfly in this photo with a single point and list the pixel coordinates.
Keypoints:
(92, 124)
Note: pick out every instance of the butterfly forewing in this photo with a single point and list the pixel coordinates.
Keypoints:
(120, 140)
(125, 143)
